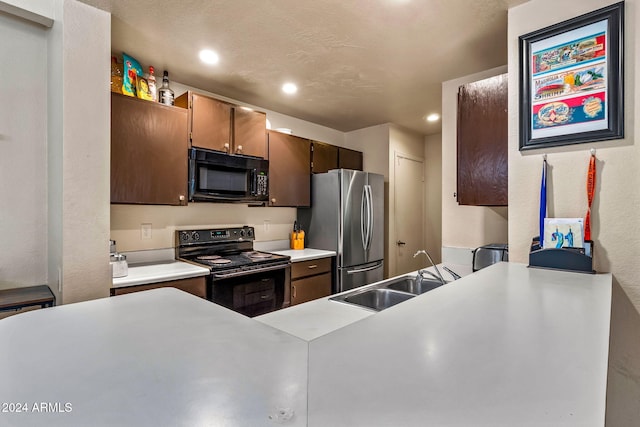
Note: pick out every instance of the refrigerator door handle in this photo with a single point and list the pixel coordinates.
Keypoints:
(363, 225)
(362, 270)
(369, 216)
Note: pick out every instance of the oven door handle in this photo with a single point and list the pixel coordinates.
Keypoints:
(247, 272)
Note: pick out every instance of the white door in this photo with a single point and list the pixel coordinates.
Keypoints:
(409, 213)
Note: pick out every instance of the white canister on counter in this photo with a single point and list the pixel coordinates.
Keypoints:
(119, 266)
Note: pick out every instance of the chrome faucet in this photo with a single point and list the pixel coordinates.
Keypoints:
(422, 272)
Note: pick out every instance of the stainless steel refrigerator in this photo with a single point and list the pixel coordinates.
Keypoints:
(347, 216)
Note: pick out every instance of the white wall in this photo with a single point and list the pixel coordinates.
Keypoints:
(55, 151)
(616, 225)
(58, 178)
(37, 11)
(86, 46)
(433, 195)
(464, 226)
(374, 143)
(23, 153)
(615, 229)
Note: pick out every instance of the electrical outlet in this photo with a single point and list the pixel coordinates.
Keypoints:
(145, 231)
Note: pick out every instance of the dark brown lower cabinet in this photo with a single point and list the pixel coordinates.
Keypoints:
(148, 152)
(482, 170)
(289, 170)
(195, 285)
(310, 280)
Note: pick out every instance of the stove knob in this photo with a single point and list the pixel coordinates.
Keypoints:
(195, 235)
(241, 233)
(249, 232)
(184, 236)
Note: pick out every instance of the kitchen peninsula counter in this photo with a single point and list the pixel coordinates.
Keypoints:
(322, 316)
(508, 345)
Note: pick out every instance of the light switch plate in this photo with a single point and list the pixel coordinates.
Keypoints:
(145, 231)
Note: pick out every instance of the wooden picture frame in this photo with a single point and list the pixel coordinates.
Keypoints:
(571, 81)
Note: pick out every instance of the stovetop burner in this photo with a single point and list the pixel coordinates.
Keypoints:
(257, 255)
(208, 257)
(225, 250)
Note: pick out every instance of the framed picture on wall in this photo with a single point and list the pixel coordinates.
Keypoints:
(571, 81)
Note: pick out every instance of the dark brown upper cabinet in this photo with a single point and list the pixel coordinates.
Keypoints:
(148, 152)
(221, 126)
(482, 172)
(349, 159)
(250, 132)
(289, 170)
(324, 157)
(209, 121)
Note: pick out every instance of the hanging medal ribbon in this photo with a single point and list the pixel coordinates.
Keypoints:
(543, 198)
(591, 186)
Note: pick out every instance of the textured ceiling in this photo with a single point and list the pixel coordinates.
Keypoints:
(357, 63)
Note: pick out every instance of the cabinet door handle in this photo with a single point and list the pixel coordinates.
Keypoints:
(226, 147)
(294, 291)
(400, 243)
(312, 266)
(239, 149)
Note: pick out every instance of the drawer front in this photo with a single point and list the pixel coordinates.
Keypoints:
(195, 286)
(303, 290)
(310, 268)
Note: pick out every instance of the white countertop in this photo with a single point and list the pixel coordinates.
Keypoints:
(306, 254)
(159, 272)
(314, 318)
(508, 345)
(154, 358)
(151, 272)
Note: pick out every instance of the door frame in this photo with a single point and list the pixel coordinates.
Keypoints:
(393, 267)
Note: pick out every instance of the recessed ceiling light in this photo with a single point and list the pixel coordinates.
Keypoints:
(209, 57)
(289, 88)
(433, 117)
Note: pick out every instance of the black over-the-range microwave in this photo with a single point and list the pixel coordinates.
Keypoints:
(220, 177)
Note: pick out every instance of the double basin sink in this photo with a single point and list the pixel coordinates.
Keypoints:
(387, 293)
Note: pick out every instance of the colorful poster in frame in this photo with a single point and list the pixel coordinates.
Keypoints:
(571, 77)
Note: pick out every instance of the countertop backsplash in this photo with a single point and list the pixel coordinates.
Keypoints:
(127, 221)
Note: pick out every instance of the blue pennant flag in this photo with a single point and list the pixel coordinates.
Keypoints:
(543, 200)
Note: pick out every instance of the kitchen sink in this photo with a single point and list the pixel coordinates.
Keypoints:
(387, 293)
(374, 299)
(409, 284)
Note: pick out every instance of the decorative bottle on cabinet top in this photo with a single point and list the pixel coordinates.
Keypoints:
(152, 85)
(165, 93)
